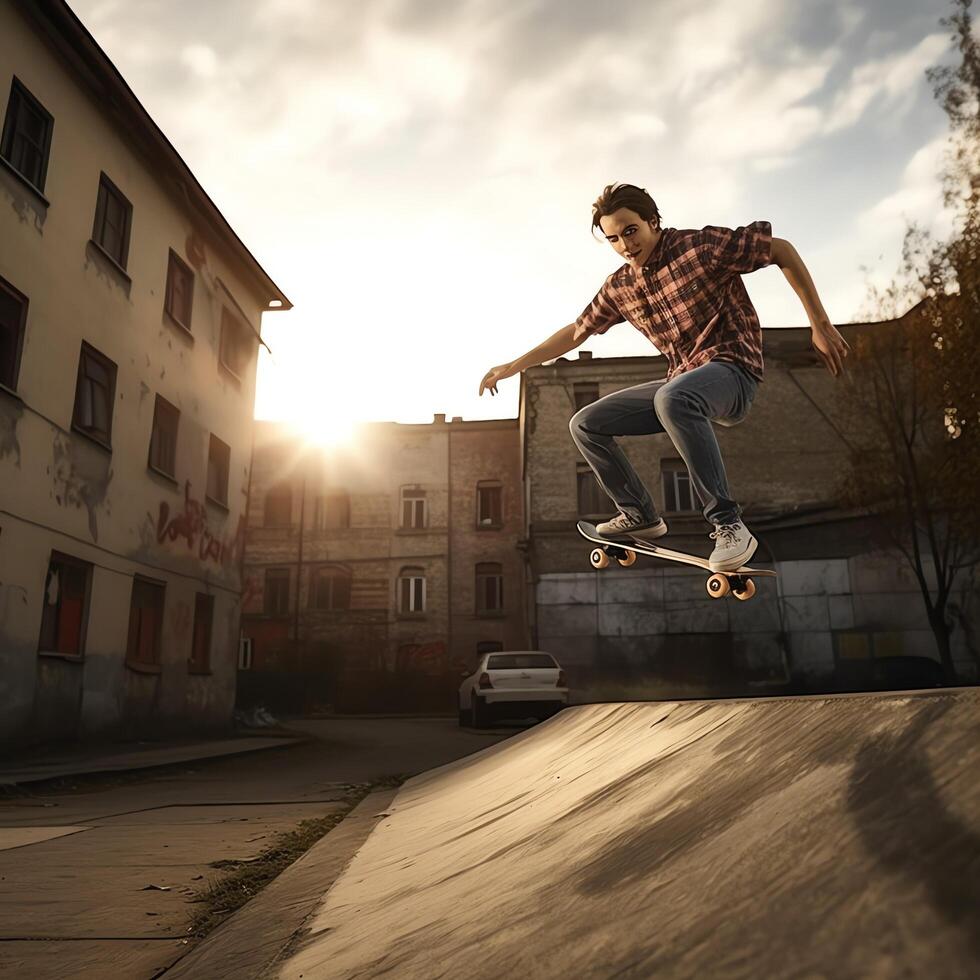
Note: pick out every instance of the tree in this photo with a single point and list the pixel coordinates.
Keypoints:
(913, 396)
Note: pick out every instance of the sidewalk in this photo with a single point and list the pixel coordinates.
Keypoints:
(102, 758)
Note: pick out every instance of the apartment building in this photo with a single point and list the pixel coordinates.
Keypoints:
(130, 317)
(839, 608)
(377, 571)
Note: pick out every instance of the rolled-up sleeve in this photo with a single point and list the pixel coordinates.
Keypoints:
(737, 251)
(601, 314)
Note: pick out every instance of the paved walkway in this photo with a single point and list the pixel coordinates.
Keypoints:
(145, 755)
(99, 877)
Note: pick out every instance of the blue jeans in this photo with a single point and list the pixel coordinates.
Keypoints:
(684, 408)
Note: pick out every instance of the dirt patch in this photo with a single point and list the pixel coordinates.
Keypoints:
(226, 894)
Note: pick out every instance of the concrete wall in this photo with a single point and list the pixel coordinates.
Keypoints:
(59, 490)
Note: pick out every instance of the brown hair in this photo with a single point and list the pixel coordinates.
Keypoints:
(616, 196)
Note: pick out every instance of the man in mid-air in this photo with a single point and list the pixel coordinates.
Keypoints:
(682, 289)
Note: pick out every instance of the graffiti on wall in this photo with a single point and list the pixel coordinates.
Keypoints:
(190, 525)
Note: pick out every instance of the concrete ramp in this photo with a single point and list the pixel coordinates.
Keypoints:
(806, 837)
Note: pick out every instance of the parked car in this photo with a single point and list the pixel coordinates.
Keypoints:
(512, 683)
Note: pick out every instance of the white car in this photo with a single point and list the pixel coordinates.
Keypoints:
(515, 683)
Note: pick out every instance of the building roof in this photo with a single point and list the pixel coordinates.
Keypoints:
(57, 23)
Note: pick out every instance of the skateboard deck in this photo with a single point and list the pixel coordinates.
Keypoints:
(719, 584)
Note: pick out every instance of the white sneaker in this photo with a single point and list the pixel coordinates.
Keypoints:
(734, 546)
(622, 526)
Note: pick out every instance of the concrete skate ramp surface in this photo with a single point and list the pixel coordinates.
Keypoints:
(809, 837)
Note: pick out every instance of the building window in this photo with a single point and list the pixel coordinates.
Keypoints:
(331, 588)
(332, 510)
(95, 393)
(26, 140)
(66, 592)
(179, 299)
(489, 587)
(200, 660)
(489, 510)
(414, 510)
(592, 499)
(219, 463)
(679, 495)
(235, 346)
(585, 393)
(145, 621)
(163, 438)
(276, 591)
(13, 317)
(279, 506)
(113, 218)
(411, 590)
(245, 653)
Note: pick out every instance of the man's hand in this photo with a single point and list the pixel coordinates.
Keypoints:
(494, 376)
(830, 345)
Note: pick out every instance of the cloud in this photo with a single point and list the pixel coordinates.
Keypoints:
(893, 80)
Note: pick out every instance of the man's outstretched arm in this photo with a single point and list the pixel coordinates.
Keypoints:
(557, 344)
(827, 341)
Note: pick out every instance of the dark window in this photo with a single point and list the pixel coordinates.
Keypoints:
(488, 646)
(180, 290)
(592, 499)
(219, 463)
(95, 393)
(26, 138)
(331, 589)
(679, 495)
(66, 591)
(411, 590)
(145, 621)
(585, 393)
(520, 661)
(200, 660)
(245, 653)
(413, 508)
(163, 438)
(332, 511)
(488, 505)
(489, 587)
(276, 591)
(113, 217)
(13, 316)
(279, 506)
(234, 349)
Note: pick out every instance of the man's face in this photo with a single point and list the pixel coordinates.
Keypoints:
(632, 237)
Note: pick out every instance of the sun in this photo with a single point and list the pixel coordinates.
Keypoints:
(327, 430)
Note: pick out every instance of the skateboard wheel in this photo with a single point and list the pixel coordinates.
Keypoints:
(628, 560)
(599, 558)
(746, 592)
(718, 586)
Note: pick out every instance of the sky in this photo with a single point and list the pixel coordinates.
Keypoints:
(417, 175)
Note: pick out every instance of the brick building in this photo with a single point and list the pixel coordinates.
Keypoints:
(129, 328)
(377, 571)
(837, 608)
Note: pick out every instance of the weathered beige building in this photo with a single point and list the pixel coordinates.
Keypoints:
(377, 571)
(129, 327)
(838, 607)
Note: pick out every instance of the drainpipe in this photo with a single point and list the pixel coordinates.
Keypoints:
(299, 566)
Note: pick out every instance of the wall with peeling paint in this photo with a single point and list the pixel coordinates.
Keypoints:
(59, 489)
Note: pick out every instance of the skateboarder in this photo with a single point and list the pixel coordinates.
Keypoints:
(682, 289)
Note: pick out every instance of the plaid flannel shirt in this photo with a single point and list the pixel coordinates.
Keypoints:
(689, 299)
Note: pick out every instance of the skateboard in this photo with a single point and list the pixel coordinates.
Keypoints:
(718, 585)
